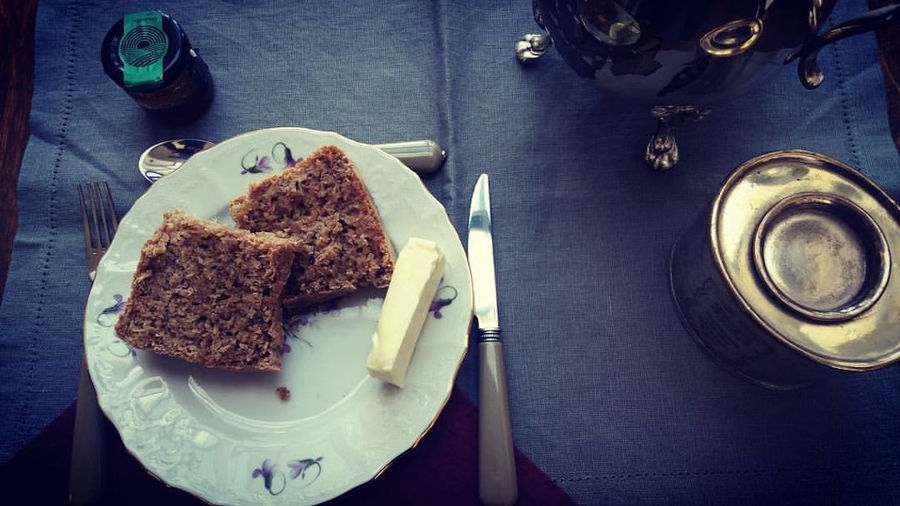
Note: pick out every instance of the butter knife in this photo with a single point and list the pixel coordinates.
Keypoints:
(496, 459)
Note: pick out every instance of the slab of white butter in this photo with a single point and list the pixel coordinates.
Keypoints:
(417, 274)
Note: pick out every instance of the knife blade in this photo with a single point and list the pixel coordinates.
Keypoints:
(496, 458)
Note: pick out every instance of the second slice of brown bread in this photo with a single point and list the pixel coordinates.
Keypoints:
(324, 206)
(209, 294)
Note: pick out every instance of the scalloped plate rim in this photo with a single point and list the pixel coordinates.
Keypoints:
(181, 174)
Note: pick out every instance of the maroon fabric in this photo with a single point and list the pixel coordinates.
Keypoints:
(443, 469)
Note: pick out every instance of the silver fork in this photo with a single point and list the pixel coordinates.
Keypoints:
(98, 237)
(87, 471)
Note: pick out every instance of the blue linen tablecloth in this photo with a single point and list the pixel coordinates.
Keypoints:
(609, 394)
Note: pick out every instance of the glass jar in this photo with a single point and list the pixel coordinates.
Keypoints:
(149, 56)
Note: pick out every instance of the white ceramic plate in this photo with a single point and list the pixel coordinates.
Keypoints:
(226, 436)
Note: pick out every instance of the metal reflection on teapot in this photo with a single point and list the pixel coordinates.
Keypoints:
(608, 22)
(687, 55)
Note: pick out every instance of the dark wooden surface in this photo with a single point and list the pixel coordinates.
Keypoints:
(17, 79)
(16, 82)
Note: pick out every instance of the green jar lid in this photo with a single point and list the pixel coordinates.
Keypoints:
(144, 51)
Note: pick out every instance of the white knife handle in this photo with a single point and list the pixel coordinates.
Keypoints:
(424, 157)
(496, 457)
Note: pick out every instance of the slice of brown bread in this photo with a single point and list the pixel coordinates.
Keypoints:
(209, 294)
(324, 206)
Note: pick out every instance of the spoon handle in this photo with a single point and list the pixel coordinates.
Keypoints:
(424, 157)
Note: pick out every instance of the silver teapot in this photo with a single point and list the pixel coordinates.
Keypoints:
(680, 56)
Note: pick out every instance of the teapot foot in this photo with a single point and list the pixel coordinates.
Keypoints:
(532, 46)
(662, 150)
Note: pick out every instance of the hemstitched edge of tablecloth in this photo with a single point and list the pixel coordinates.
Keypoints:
(61, 144)
(846, 110)
(445, 108)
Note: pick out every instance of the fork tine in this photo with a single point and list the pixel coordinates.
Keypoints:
(84, 222)
(104, 243)
(112, 208)
(92, 200)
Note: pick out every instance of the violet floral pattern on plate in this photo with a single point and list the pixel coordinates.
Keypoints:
(273, 480)
(109, 316)
(444, 297)
(292, 332)
(257, 162)
(293, 326)
(307, 470)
